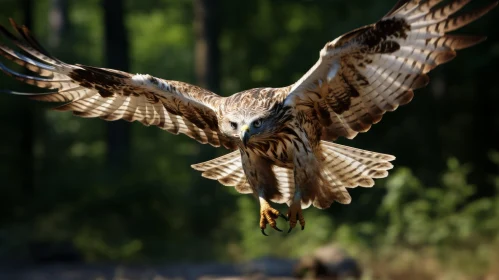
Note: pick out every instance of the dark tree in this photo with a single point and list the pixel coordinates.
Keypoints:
(207, 31)
(117, 57)
(27, 120)
(58, 21)
(207, 54)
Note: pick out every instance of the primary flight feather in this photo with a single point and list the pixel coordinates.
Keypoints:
(281, 137)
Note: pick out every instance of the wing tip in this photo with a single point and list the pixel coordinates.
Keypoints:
(466, 41)
(197, 166)
(420, 81)
(29, 94)
(390, 158)
(491, 6)
(12, 22)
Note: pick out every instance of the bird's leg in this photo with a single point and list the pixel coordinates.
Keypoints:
(295, 212)
(268, 215)
(263, 182)
(306, 176)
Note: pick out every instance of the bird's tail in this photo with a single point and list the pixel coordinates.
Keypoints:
(342, 167)
(346, 167)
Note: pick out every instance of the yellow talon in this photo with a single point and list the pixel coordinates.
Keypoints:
(268, 215)
(295, 215)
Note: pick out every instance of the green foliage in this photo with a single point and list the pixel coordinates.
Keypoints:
(445, 216)
(158, 210)
(447, 223)
(318, 231)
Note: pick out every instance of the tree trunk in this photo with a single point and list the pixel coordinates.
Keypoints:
(59, 22)
(116, 53)
(27, 120)
(207, 55)
(207, 52)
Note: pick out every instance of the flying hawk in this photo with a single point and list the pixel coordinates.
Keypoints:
(281, 137)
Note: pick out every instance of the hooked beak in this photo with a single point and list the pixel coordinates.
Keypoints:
(244, 134)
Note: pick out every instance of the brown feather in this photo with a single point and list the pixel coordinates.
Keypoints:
(111, 94)
(376, 68)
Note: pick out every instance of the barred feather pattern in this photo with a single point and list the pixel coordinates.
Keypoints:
(343, 167)
(110, 94)
(359, 76)
(228, 170)
(374, 69)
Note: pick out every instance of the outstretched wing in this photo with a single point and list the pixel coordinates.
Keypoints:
(374, 69)
(111, 95)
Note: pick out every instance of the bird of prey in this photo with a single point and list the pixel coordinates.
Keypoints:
(282, 138)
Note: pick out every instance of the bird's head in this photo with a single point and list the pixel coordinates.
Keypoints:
(248, 126)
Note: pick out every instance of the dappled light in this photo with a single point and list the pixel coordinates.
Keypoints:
(73, 206)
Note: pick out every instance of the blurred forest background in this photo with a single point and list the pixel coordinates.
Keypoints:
(122, 192)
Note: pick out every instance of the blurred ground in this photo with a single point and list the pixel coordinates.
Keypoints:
(268, 267)
(135, 199)
(329, 262)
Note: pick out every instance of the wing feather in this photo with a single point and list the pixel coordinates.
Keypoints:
(374, 69)
(227, 169)
(111, 94)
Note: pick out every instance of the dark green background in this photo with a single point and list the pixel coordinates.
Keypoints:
(58, 184)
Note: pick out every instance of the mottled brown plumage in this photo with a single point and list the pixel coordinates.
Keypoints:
(281, 136)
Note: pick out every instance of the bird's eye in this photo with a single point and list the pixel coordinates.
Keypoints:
(233, 125)
(257, 123)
